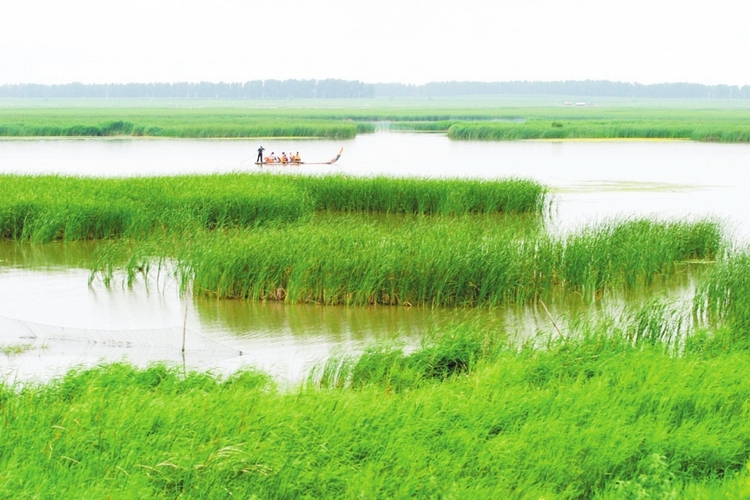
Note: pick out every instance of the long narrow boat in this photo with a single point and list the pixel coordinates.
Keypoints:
(276, 163)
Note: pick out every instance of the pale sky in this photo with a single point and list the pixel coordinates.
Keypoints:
(409, 41)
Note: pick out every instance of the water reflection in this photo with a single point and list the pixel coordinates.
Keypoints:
(48, 308)
(52, 319)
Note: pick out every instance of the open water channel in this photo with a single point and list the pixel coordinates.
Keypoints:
(48, 306)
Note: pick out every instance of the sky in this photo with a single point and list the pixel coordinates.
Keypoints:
(407, 41)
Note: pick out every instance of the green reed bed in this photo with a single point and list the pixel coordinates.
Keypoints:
(210, 130)
(438, 261)
(44, 208)
(723, 299)
(595, 129)
(633, 252)
(469, 415)
(340, 193)
(171, 122)
(479, 118)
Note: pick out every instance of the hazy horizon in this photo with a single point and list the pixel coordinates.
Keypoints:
(410, 42)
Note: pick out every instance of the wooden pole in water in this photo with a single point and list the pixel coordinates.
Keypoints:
(553, 321)
(184, 325)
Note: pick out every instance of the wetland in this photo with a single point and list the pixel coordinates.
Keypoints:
(558, 319)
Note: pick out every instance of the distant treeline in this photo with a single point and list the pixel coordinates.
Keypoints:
(256, 89)
(338, 89)
(587, 88)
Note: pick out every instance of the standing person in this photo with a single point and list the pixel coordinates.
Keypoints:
(260, 155)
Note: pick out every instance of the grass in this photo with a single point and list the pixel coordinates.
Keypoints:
(467, 119)
(469, 415)
(182, 123)
(723, 299)
(646, 404)
(443, 261)
(47, 208)
(423, 196)
(601, 129)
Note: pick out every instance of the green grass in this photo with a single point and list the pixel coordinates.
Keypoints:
(469, 415)
(723, 299)
(182, 123)
(643, 129)
(47, 208)
(443, 261)
(339, 193)
(475, 119)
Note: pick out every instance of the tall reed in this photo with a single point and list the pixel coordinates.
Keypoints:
(439, 262)
(604, 129)
(424, 196)
(723, 300)
(45, 208)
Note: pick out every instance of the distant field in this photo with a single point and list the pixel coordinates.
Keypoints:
(492, 118)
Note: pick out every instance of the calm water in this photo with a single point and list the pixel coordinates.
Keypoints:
(47, 304)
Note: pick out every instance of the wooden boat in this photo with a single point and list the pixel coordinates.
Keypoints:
(275, 163)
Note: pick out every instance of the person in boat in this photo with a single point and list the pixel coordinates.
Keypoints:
(272, 158)
(260, 155)
(284, 158)
(296, 158)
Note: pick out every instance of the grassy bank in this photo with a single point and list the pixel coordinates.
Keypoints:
(45, 208)
(469, 415)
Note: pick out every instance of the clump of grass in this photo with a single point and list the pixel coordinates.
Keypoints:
(424, 196)
(439, 262)
(634, 252)
(447, 353)
(723, 300)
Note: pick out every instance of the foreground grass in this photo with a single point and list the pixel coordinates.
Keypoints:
(467, 416)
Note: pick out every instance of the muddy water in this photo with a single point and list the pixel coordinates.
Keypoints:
(50, 312)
